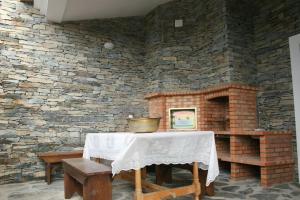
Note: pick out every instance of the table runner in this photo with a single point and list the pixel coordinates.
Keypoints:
(134, 151)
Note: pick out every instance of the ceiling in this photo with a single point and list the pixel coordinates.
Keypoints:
(74, 10)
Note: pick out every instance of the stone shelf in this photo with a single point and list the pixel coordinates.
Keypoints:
(249, 160)
(253, 160)
(220, 133)
(224, 157)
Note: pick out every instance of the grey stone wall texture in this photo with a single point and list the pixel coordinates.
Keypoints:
(274, 24)
(191, 57)
(58, 83)
(240, 32)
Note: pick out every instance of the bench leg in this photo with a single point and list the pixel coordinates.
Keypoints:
(48, 169)
(208, 190)
(163, 174)
(71, 186)
(98, 188)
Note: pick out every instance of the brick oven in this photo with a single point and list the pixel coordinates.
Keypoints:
(230, 111)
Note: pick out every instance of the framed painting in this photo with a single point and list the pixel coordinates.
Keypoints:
(183, 118)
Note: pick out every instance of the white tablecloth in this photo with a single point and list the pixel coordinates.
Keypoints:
(133, 151)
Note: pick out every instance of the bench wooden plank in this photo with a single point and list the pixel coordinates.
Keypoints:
(91, 180)
(57, 157)
(53, 158)
(87, 167)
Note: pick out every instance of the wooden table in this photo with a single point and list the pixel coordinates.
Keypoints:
(163, 175)
(134, 151)
(160, 192)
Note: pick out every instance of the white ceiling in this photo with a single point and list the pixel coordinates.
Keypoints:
(74, 10)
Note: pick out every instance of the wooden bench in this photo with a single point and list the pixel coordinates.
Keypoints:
(91, 180)
(54, 158)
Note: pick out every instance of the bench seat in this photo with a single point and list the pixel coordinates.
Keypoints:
(53, 158)
(91, 180)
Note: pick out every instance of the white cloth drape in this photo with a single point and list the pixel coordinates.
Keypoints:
(133, 151)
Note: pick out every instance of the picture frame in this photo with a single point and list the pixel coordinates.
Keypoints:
(183, 118)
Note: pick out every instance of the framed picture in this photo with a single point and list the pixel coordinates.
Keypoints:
(183, 118)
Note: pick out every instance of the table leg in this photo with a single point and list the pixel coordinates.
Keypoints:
(196, 180)
(138, 185)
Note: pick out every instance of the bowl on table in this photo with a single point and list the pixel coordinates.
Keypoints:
(144, 124)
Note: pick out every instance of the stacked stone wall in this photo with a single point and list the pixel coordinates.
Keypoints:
(191, 57)
(58, 83)
(274, 24)
(240, 32)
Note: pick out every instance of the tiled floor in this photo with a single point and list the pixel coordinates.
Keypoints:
(225, 189)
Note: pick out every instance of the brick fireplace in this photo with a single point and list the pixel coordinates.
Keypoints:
(230, 111)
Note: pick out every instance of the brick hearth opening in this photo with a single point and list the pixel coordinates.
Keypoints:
(230, 111)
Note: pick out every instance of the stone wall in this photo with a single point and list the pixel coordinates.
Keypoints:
(240, 32)
(191, 57)
(259, 55)
(57, 83)
(274, 24)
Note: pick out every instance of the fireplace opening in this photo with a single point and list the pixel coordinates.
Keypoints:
(218, 114)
